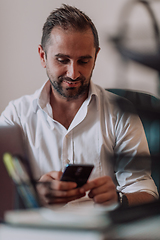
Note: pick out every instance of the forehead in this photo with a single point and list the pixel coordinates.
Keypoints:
(71, 41)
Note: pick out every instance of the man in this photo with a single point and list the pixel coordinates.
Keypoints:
(71, 120)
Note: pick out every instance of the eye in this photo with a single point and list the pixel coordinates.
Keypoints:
(83, 61)
(63, 60)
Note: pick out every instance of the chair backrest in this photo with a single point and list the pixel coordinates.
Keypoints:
(148, 109)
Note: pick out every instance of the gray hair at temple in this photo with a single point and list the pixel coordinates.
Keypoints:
(68, 17)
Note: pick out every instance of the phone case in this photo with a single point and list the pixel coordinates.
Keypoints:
(78, 173)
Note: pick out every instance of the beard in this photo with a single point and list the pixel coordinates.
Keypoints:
(70, 93)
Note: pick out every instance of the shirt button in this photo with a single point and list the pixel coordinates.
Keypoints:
(67, 161)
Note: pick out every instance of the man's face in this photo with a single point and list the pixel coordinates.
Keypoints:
(70, 61)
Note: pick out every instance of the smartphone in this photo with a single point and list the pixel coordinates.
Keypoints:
(78, 173)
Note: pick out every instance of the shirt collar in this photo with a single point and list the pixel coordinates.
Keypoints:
(93, 93)
(42, 96)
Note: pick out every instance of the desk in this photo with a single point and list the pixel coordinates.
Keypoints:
(16, 233)
(147, 229)
(85, 223)
(137, 223)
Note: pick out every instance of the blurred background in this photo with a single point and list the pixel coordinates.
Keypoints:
(21, 23)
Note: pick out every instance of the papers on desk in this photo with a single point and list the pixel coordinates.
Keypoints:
(83, 217)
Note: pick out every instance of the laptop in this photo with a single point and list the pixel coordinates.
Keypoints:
(11, 141)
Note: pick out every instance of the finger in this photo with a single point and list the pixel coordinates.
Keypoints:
(58, 189)
(50, 176)
(95, 183)
(56, 196)
(43, 187)
(106, 187)
(62, 186)
(55, 174)
(66, 193)
(64, 200)
(106, 198)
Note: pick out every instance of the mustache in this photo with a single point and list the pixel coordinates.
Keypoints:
(61, 79)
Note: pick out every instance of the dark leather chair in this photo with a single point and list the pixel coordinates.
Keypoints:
(148, 109)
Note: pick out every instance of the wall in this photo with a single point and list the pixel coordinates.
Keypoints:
(21, 23)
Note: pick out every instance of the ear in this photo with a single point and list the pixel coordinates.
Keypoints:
(96, 56)
(97, 53)
(42, 56)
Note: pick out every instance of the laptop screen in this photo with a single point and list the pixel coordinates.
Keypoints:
(10, 141)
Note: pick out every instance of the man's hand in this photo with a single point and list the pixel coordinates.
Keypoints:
(53, 191)
(102, 190)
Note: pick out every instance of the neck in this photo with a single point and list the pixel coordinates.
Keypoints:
(64, 110)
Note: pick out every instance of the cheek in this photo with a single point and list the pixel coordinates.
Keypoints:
(87, 72)
(55, 69)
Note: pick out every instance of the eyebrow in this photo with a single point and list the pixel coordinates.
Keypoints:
(67, 56)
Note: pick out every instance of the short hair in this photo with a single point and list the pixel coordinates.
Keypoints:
(68, 17)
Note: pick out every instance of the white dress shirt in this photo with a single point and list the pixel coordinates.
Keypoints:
(99, 130)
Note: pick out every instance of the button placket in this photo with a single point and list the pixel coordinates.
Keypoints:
(68, 150)
(64, 152)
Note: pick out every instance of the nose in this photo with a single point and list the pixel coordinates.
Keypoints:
(73, 71)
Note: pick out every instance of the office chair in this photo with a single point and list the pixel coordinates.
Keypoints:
(148, 109)
(147, 106)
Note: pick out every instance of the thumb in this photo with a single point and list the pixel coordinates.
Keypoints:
(56, 175)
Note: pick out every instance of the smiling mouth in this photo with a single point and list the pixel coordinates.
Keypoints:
(71, 84)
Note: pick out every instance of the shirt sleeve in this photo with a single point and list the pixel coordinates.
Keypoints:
(133, 161)
(10, 115)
